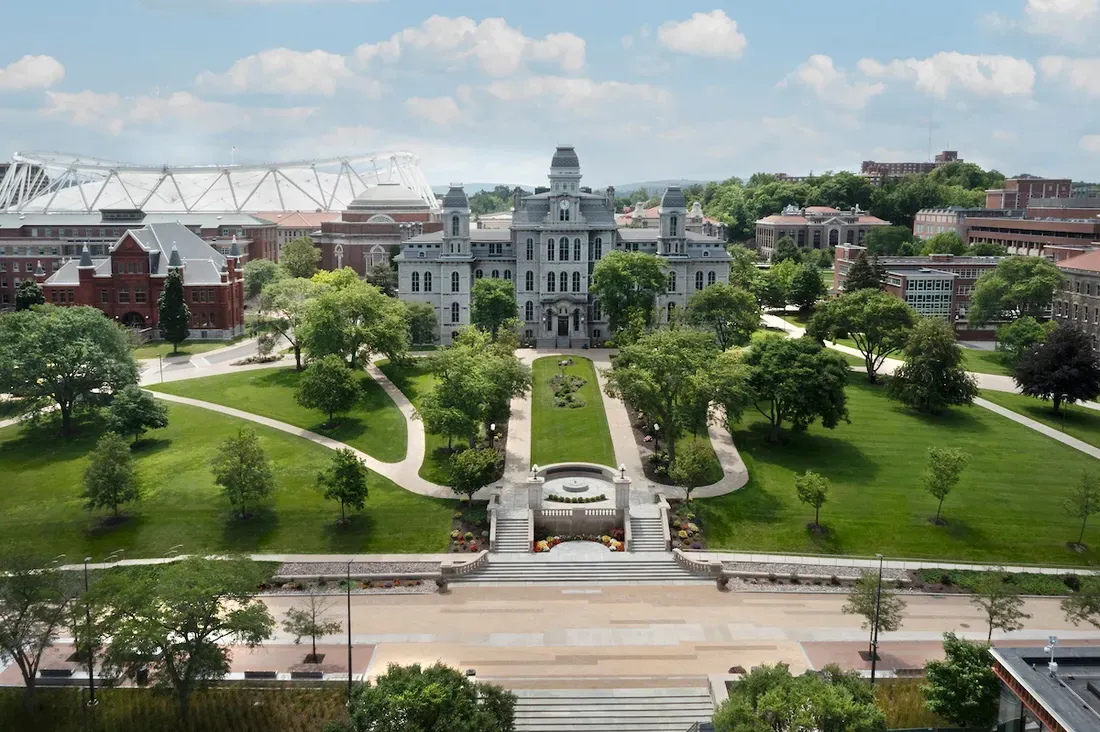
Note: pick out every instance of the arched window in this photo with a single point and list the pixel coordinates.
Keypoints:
(496, 274)
(550, 282)
(673, 222)
(576, 319)
(530, 249)
(563, 281)
(710, 278)
(508, 275)
(416, 282)
(478, 274)
(597, 311)
(698, 280)
(563, 214)
(549, 319)
(454, 226)
(563, 249)
(454, 312)
(427, 282)
(454, 281)
(529, 281)
(672, 282)
(834, 237)
(671, 311)
(529, 311)
(576, 282)
(599, 249)
(550, 250)
(576, 250)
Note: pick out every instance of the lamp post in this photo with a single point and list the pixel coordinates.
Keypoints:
(160, 362)
(492, 432)
(88, 638)
(349, 631)
(874, 624)
(656, 437)
(622, 471)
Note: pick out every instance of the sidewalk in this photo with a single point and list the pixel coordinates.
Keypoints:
(872, 562)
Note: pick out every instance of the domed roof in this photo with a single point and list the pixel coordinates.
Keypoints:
(456, 197)
(673, 198)
(388, 196)
(565, 157)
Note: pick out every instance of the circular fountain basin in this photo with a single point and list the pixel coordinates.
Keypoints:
(574, 485)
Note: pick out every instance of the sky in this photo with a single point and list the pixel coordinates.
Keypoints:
(484, 90)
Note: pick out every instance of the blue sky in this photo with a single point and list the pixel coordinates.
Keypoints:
(483, 90)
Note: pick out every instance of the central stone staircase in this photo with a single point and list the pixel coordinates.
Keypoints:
(612, 710)
(654, 568)
(513, 536)
(646, 534)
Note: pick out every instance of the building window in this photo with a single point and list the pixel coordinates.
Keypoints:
(416, 282)
(454, 226)
(576, 250)
(507, 275)
(671, 311)
(576, 282)
(454, 312)
(427, 282)
(597, 311)
(454, 281)
(596, 334)
(530, 249)
(550, 250)
(550, 282)
(672, 282)
(563, 250)
(123, 295)
(563, 281)
(817, 239)
(673, 222)
(104, 297)
(576, 319)
(710, 278)
(599, 249)
(563, 214)
(529, 311)
(1077, 286)
(698, 280)
(139, 295)
(478, 274)
(529, 281)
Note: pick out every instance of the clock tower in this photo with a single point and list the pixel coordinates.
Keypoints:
(565, 171)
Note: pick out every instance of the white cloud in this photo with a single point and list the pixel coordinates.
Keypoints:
(576, 93)
(443, 111)
(31, 72)
(1004, 135)
(285, 71)
(831, 84)
(937, 75)
(113, 112)
(1082, 74)
(1069, 20)
(1091, 143)
(704, 34)
(498, 48)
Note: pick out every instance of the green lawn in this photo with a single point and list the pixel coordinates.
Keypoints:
(1080, 422)
(984, 362)
(1007, 507)
(41, 501)
(152, 349)
(415, 382)
(376, 426)
(563, 434)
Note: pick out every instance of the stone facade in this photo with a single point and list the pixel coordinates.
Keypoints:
(1078, 303)
(549, 252)
(814, 227)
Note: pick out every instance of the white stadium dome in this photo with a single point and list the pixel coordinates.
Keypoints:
(41, 182)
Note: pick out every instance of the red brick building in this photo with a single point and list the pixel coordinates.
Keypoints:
(126, 283)
(1031, 236)
(1018, 192)
(875, 169)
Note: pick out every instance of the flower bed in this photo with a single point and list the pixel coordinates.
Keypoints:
(576, 499)
(469, 529)
(684, 527)
(612, 540)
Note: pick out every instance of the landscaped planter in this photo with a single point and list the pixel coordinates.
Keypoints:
(612, 540)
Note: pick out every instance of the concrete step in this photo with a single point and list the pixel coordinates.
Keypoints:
(611, 710)
(646, 534)
(658, 571)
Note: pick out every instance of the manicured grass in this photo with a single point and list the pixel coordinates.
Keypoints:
(415, 382)
(1080, 422)
(140, 710)
(41, 500)
(376, 426)
(562, 434)
(152, 349)
(1007, 507)
(984, 362)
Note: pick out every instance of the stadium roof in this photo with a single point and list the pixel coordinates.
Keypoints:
(38, 182)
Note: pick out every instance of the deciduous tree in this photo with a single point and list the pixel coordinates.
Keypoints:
(258, 274)
(345, 480)
(1083, 501)
(299, 257)
(807, 287)
(1083, 606)
(694, 465)
(1017, 338)
(945, 242)
(1018, 286)
(888, 240)
(862, 600)
(945, 466)
(308, 620)
(795, 380)
(962, 688)
(384, 277)
(178, 621)
(329, 386)
(785, 249)
(134, 410)
(423, 325)
(627, 285)
(986, 249)
(70, 357)
(813, 490)
(28, 294)
(472, 470)
(110, 478)
(1061, 369)
(932, 377)
(1001, 604)
(173, 315)
(769, 289)
(492, 304)
(863, 275)
(282, 310)
(354, 322)
(242, 469)
(879, 324)
(731, 312)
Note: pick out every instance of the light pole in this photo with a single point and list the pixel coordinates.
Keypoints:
(88, 645)
(349, 631)
(492, 432)
(656, 437)
(874, 625)
(160, 362)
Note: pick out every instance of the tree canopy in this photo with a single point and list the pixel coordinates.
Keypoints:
(1060, 369)
(282, 310)
(258, 274)
(962, 688)
(807, 287)
(472, 470)
(891, 241)
(329, 386)
(492, 304)
(879, 324)
(28, 293)
(731, 312)
(932, 376)
(173, 315)
(863, 275)
(299, 257)
(243, 471)
(354, 322)
(627, 285)
(134, 410)
(423, 325)
(1018, 286)
(71, 357)
(110, 478)
(945, 242)
(345, 480)
(1016, 338)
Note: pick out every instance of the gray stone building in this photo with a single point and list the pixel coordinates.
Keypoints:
(1078, 302)
(556, 237)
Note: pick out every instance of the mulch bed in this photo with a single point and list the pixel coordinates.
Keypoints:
(469, 519)
(677, 517)
(641, 430)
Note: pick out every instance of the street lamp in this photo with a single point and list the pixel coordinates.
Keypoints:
(535, 470)
(349, 631)
(874, 624)
(492, 432)
(656, 437)
(88, 638)
(622, 471)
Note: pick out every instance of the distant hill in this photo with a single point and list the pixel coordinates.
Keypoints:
(655, 185)
(472, 188)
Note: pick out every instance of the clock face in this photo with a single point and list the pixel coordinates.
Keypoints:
(563, 204)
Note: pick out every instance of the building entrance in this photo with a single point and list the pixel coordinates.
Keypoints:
(563, 326)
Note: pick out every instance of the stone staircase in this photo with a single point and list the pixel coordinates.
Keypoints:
(612, 710)
(654, 569)
(646, 535)
(512, 533)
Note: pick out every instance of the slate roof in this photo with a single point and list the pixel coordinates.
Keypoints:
(456, 198)
(673, 197)
(565, 157)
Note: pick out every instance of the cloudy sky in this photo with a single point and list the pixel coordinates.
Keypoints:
(483, 90)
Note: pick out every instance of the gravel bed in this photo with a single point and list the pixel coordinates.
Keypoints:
(339, 569)
(425, 587)
(783, 571)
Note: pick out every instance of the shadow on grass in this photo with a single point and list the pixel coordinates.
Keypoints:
(801, 451)
(150, 446)
(247, 534)
(350, 536)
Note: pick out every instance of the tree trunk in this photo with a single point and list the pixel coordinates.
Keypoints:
(817, 515)
(29, 682)
(114, 507)
(989, 637)
(342, 519)
(185, 706)
(66, 418)
(774, 437)
(314, 639)
(297, 357)
(1081, 538)
(939, 508)
(330, 418)
(175, 348)
(870, 364)
(1057, 398)
(473, 440)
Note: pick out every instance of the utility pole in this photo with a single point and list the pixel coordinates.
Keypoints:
(874, 625)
